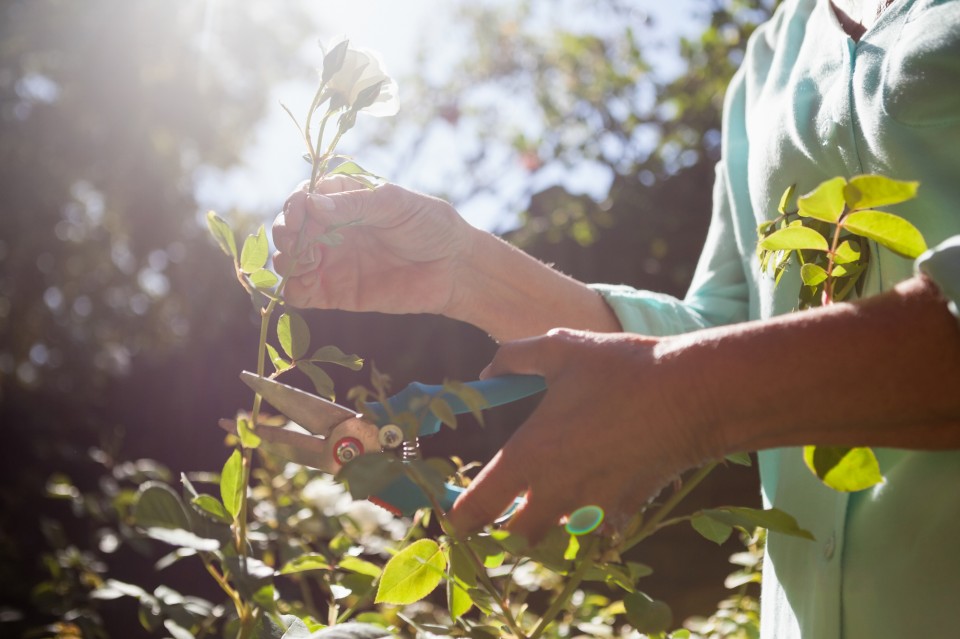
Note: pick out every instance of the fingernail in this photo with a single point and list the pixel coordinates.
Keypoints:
(309, 256)
(322, 201)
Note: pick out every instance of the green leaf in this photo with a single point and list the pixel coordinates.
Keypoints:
(889, 230)
(825, 202)
(716, 531)
(255, 251)
(846, 253)
(222, 233)
(441, 409)
(843, 469)
(869, 191)
(357, 172)
(264, 279)
(309, 561)
(322, 382)
(369, 474)
(785, 199)
(212, 506)
(793, 238)
(232, 490)
(412, 574)
(158, 505)
(647, 615)
(812, 274)
(334, 355)
(182, 538)
(360, 566)
(459, 601)
(279, 364)
(772, 519)
(741, 459)
(353, 630)
(474, 400)
(248, 438)
(293, 334)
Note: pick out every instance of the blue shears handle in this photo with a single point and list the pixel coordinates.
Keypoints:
(496, 391)
(403, 496)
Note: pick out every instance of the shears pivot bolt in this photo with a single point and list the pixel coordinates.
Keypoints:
(348, 449)
(390, 436)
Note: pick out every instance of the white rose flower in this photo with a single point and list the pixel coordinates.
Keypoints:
(362, 69)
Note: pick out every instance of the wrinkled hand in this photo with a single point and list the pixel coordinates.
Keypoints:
(615, 426)
(399, 249)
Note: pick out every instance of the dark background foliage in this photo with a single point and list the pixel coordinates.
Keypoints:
(120, 328)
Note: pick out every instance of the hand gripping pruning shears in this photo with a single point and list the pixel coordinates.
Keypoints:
(326, 435)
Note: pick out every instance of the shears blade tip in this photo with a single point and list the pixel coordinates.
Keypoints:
(315, 414)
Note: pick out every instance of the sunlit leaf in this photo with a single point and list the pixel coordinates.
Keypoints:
(264, 279)
(212, 506)
(293, 334)
(741, 459)
(647, 615)
(232, 490)
(334, 355)
(846, 253)
(843, 469)
(158, 505)
(825, 202)
(222, 233)
(869, 191)
(716, 531)
(811, 274)
(889, 230)
(248, 438)
(279, 363)
(352, 630)
(786, 198)
(360, 566)
(793, 238)
(412, 574)
(772, 519)
(441, 409)
(255, 251)
(322, 382)
(310, 561)
(357, 172)
(182, 538)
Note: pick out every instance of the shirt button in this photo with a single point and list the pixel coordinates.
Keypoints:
(829, 546)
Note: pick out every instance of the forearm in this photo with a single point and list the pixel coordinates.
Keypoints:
(511, 295)
(881, 372)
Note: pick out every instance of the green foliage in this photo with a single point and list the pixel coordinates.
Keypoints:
(412, 574)
(829, 234)
(844, 469)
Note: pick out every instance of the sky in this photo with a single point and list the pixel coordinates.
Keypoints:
(272, 165)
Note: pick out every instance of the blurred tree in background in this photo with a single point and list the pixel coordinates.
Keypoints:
(119, 329)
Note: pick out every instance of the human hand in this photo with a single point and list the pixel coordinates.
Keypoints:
(399, 253)
(618, 422)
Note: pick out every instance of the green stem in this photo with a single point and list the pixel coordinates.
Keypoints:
(650, 526)
(828, 285)
(573, 582)
(314, 104)
(478, 566)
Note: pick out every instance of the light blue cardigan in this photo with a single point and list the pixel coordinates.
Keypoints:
(809, 104)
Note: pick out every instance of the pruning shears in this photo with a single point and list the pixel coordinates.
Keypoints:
(326, 435)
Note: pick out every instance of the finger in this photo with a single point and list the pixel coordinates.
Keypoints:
(534, 519)
(295, 265)
(489, 496)
(302, 291)
(531, 356)
(370, 206)
(288, 223)
(337, 184)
